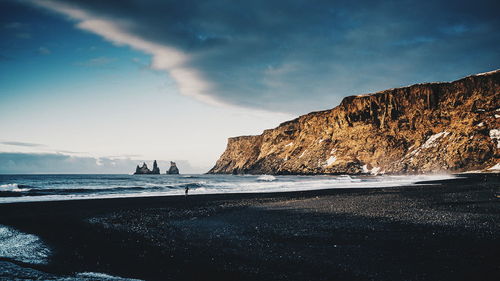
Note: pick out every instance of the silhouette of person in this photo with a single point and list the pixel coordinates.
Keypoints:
(186, 191)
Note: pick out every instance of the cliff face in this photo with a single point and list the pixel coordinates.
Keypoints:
(421, 128)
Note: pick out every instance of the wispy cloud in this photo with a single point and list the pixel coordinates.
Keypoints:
(168, 58)
(18, 29)
(23, 35)
(99, 61)
(15, 25)
(24, 144)
(43, 51)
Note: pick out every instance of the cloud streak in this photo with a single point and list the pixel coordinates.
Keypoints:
(164, 57)
(44, 51)
(99, 61)
(296, 55)
(23, 144)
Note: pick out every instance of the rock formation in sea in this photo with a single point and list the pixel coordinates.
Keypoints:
(144, 170)
(155, 170)
(173, 169)
(431, 127)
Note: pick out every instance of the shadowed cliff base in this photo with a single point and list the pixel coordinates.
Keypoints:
(433, 127)
(443, 231)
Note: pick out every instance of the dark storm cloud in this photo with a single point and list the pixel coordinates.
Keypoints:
(302, 55)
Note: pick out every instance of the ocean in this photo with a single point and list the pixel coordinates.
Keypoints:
(25, 188)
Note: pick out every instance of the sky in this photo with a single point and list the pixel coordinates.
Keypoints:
(98, 86)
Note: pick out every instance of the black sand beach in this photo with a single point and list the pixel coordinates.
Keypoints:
(441, 231)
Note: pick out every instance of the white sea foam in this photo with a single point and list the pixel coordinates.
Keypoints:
(215, 184)
(99, 276)
(12, 187)
(266, 178)
(12, 271)
(22, 246)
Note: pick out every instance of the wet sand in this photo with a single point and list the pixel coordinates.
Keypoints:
(441, 231)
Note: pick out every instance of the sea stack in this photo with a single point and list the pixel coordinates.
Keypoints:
(156, 170)
(173, 169)
(144, 170)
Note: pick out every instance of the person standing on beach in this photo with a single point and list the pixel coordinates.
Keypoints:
(186, 191)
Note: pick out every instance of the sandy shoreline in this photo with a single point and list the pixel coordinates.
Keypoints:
(445, 231)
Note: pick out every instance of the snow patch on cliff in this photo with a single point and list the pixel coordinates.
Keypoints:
(495, 168)
(373, 171)
(290, 144)
(302, 154)
(430, 142)
(330, 160)
(495, 135)
(487, 73)
(432, 139)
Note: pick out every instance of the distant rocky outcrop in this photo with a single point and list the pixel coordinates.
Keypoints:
(144, 170)
(430, 127)
(155, 170)
(173, 169)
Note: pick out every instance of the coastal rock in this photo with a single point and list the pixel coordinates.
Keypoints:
(144, 170)
(173, 169)
(432, 127)
(155, 170)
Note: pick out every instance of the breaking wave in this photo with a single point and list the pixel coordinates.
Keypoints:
(266, 178)
(70, 187)
(22, 247)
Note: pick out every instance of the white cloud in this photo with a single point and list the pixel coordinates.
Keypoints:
(43, 51)
(189, 81)
(99, 61)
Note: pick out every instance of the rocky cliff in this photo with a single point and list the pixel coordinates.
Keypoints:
(423, 128)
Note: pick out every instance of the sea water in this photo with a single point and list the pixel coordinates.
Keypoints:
(24, 188)
(19, 250)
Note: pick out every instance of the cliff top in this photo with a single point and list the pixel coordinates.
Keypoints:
(349, 99)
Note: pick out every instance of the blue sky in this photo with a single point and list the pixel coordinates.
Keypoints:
(172, 80)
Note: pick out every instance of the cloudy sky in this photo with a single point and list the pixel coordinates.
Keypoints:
(105, 84)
